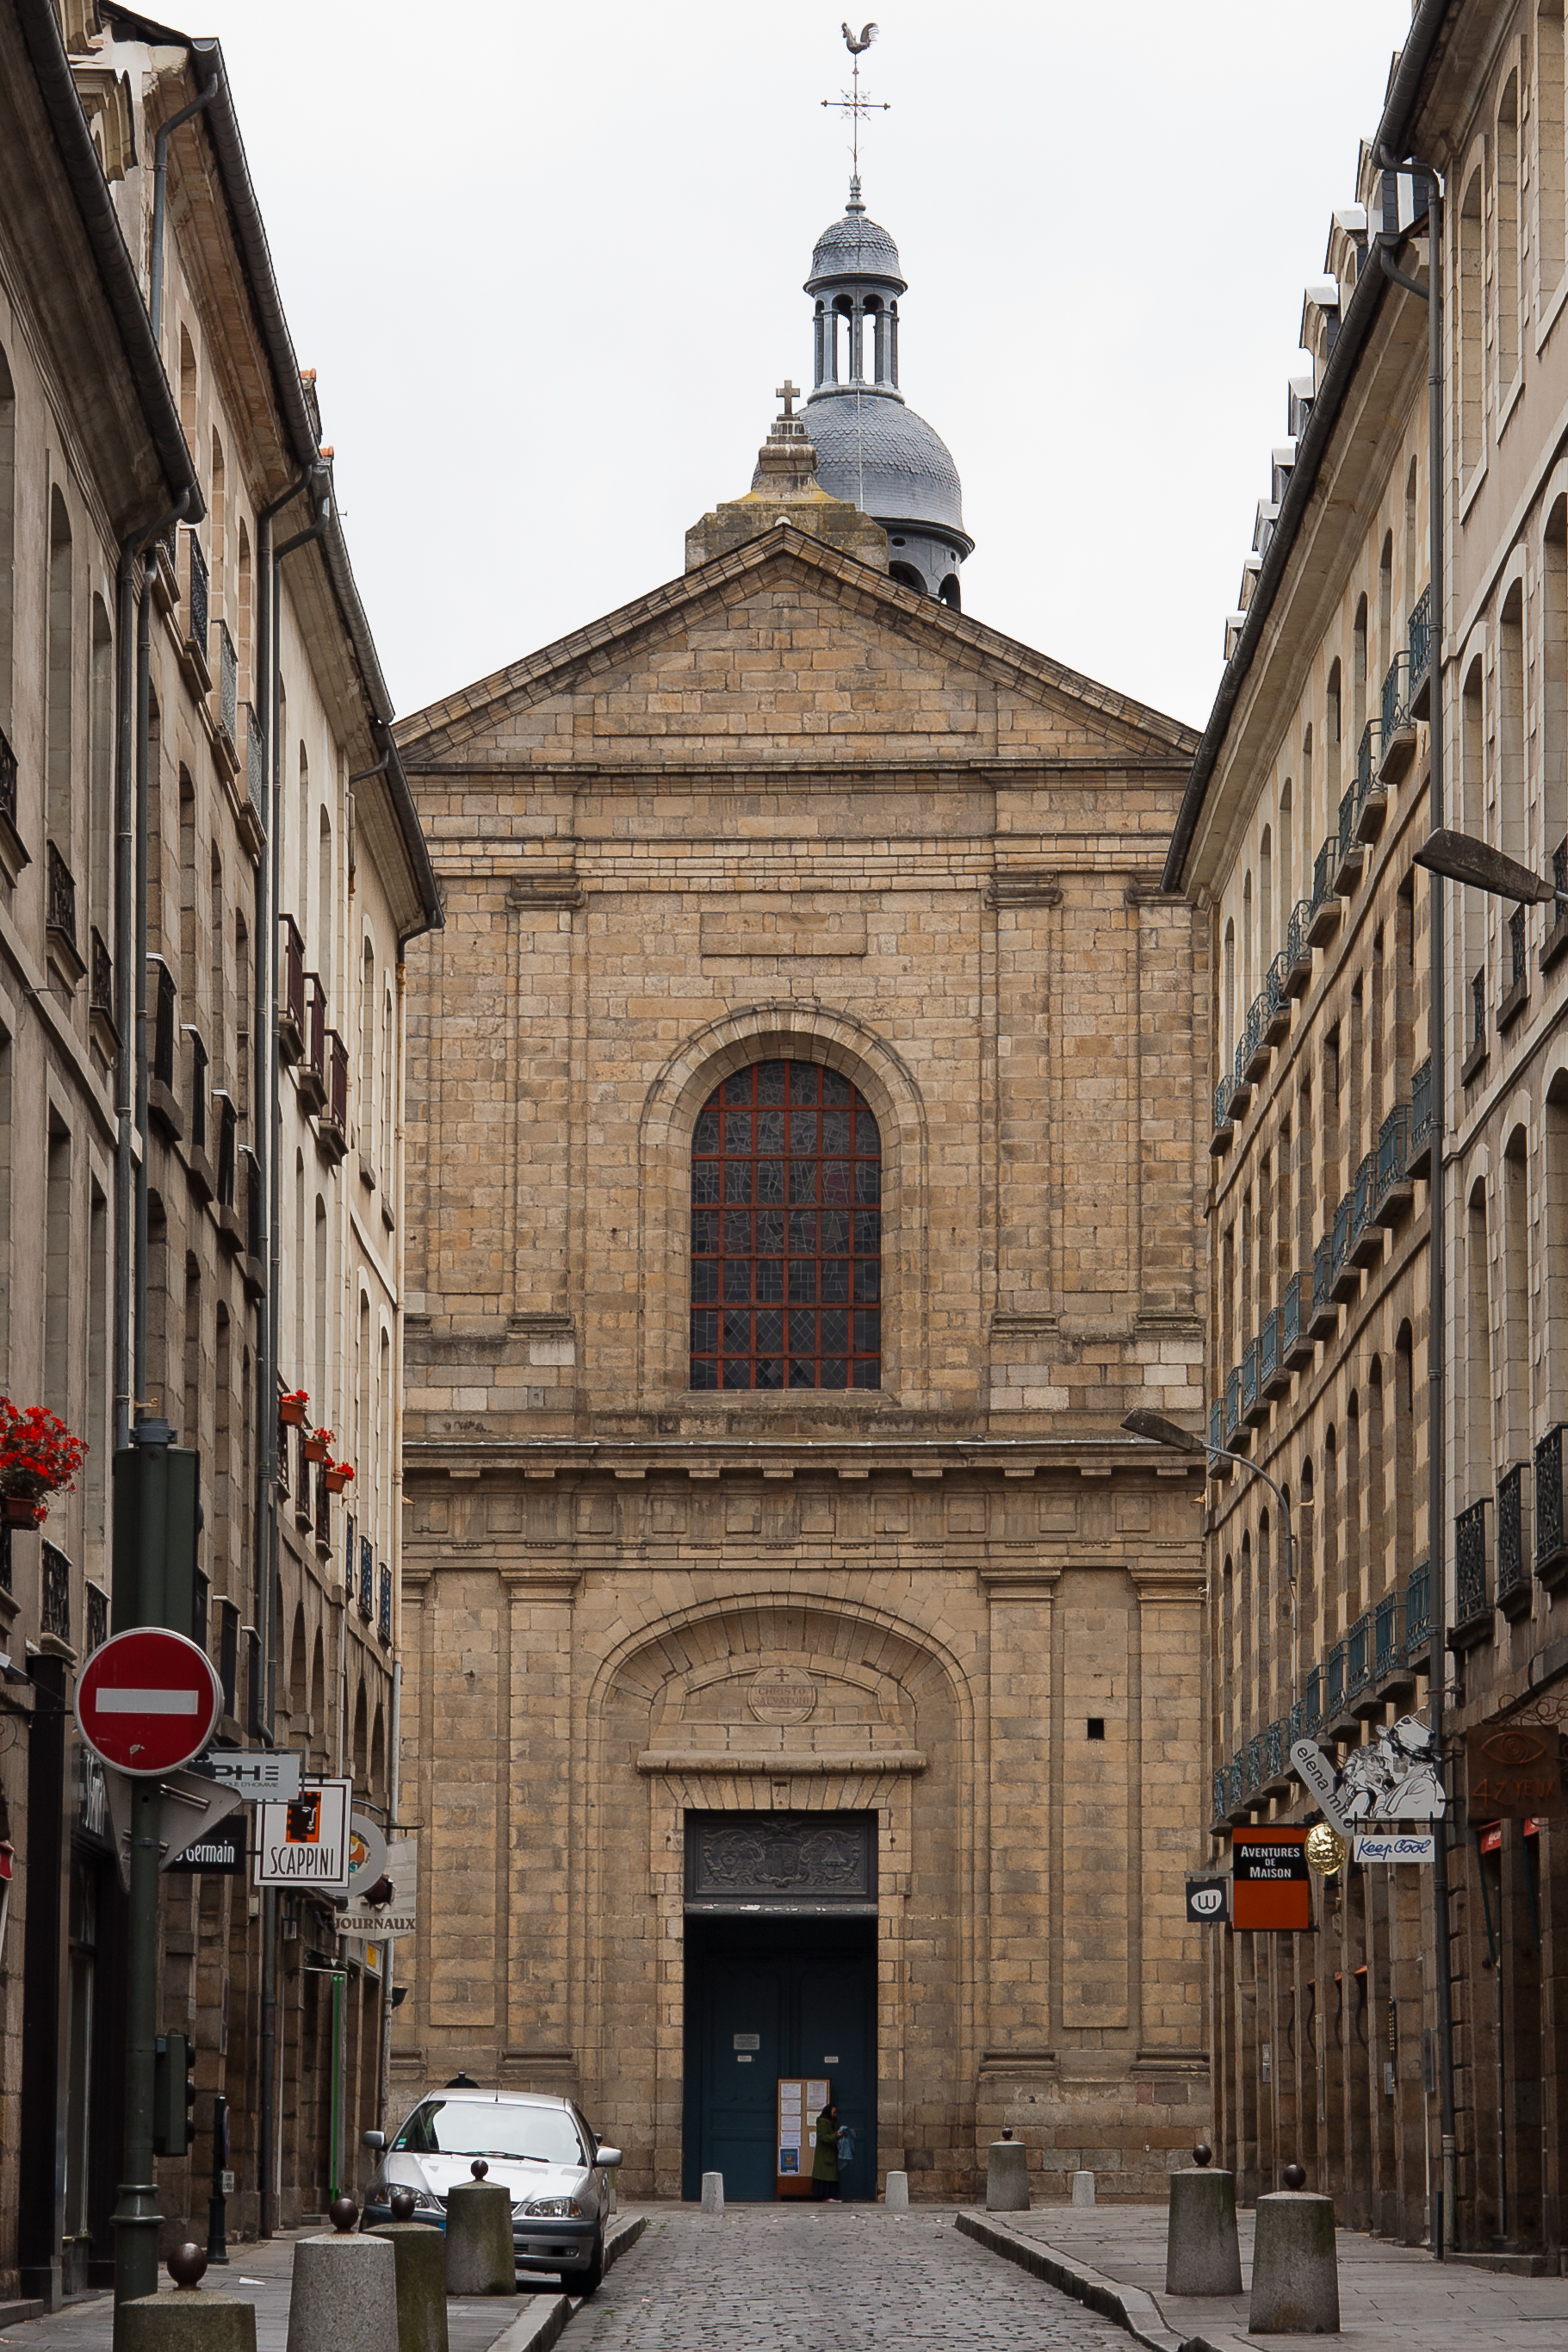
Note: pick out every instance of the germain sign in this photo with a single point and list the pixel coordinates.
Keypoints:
(305, 1842)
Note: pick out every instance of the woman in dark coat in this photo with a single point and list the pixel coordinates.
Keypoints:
(825, 2164)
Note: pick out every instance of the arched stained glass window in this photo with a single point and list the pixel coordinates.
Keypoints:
(786, 1233)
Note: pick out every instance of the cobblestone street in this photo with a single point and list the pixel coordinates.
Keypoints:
(823, 2279)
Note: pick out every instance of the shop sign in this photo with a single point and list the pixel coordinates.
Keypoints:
(1514, 1771)
(1271, 1886)
(305, 1842)
(1375, 1846)
(1208, 1901)
(221, 1850)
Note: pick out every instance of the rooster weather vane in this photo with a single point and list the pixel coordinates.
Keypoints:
(851, 101)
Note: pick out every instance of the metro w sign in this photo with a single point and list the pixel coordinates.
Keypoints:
(148, 1701)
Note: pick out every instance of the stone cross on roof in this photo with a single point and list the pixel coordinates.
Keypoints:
(789, 393)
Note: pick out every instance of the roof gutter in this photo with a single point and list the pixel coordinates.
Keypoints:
(117, 272)
(1392, 137)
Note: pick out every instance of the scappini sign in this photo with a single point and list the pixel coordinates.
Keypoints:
(305, 1842)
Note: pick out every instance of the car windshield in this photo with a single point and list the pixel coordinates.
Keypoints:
(487, 2127)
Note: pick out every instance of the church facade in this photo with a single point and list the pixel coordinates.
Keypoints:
(803, 1671)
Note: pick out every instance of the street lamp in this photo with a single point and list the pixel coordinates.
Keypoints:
(1481, 868)
(1161, 1431)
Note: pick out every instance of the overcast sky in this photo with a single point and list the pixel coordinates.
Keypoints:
(546, 262)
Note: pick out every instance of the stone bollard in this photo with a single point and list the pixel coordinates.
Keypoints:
(898, 2193)
(1295, 2267)
(480, 2259)
(1084, 2189)
(186, 2321)
(418, 2253)
(1203, 2254)
(1007, 2175)
(343, 2294)
(712, 2192)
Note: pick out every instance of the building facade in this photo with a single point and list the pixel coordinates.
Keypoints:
(1331, 2046)
(256, 1251)
(800, 1663)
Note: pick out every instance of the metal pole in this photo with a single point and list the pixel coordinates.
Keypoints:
(161, 197)
(217, 2203)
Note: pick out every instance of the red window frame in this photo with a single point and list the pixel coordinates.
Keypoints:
(786, 1283)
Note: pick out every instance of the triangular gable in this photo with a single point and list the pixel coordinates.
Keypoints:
(921, 681)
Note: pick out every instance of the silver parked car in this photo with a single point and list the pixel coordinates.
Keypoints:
(540, 2150)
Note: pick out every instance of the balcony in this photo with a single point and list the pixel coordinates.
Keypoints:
(1366, 1248)
(1273, 1379)
(1516, 965)
(97, 1601)
(1295, 1324)
(367, 1579)
(54, 1610)
(1474, 1059)
(1241, 1088)
(1348, 852)
(332, 1122)
(1345, 1274)
(1322, 919)
(228, 700)
(1324, 1320)
(1253, 1408)
(1418, 1613)
(385, 1611)
(14, 854)
(1361, 1666)
(1472, 1598)
(193, 652)
(198, 1167)
(60, 917)
(230, 1228)
(291, 995)
(1420, 635)
(1277, 1001)
(1236, 1803)
(1251, 1051)
(1550, 1549)
(1339, 1723)
(161, 1096)
(101, 996)
(323, 1513)
(253, 818)
(1224, 1125)
(313, 1078)
(1418, 1160)
(253, 1265)
(1394, 1191)
(1371, 799)
(1216, 1808)
(1299, 949)
(1216, 1425)
(1392, 1678)
(1398, 721)
(1514, 1588)
(1311, 1705)
(1235, 1428)
(1555, 943)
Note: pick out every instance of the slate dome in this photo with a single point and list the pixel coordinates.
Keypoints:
(854, 247)
(889, 461)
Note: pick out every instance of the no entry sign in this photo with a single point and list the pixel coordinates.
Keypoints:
(148, 1701)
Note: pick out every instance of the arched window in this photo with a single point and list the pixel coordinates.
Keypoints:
(786, 1233)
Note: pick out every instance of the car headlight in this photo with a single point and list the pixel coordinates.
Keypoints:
(424, 2203)
(556, 2209)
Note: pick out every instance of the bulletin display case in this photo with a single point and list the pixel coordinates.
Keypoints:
(801, 2098)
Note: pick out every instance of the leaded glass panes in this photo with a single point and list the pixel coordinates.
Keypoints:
(786, 1233)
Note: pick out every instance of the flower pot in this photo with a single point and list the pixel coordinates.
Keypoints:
(22, 1511)
(317, 1448)
(336, 1480)
(291, 1408)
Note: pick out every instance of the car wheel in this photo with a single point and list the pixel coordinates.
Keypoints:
(590, 2281)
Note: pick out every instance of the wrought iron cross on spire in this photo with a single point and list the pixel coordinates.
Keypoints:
(851, 101)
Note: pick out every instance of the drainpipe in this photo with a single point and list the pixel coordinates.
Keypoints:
(126, 897)
(269, 1139)
(1445, 2231)
(161, 199)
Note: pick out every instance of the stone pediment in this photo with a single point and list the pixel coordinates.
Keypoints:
(787, 650)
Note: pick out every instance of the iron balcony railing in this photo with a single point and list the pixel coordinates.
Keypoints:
(1366, 762)
(1421, 1104)
(1250, 1039)
(367, 1579)
(1388, 1634)
(1250, 1377)
(254, 766)
(1257, 1756)
(1275, 1745)
(1276, 991)
(1323, 867)
(1418, 1608)
(1311, 1702)
(1322, 1278)
(97, 1619)
(1222, 1094)
(199, 626)
(351, 1553)
(1346, 839)
(1236, 1782)
(291, 1004)
(1359, 1655)
(283, 1435)
(228, 685)
(1333, 1681)
(337, 1081)
(1477, 1011)
(1340, 1246)
(1548, 1499)
(164, 1028)
(60, 895)
(1268, 1348)
(1420, 637)
(55, 1613)
(1393, 1150)
(198, 1093)
(1216, 1424)
(253, 1204)
(102, 981)
(1363, 1197)
(1232, 1403)
(1219, 1812)
(1297, 949)
(1512, 1573)
(1470, 1598)
(1297, 1296)
(8, 780)
(228, 1131)
(315, 1027)
(384, 1612)
(323, 1506)
(1517, 948)
(1397, 697)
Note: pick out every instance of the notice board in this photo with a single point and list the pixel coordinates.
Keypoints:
(1271, 1884)
(801, 2098)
